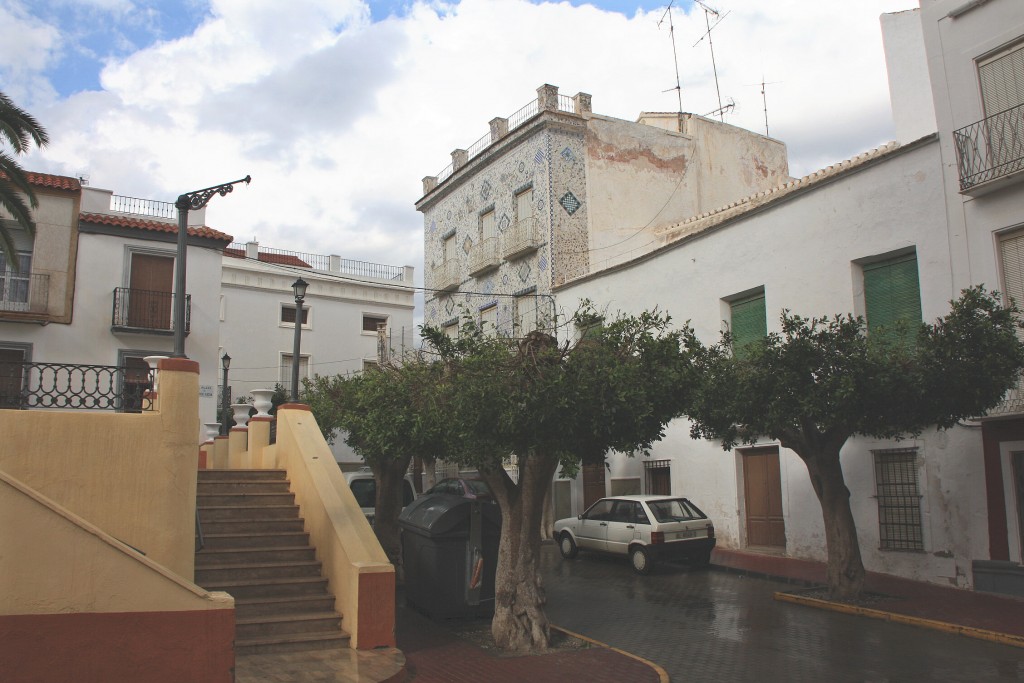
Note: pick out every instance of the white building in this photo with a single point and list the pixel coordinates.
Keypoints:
(97, 286)
(905, 217)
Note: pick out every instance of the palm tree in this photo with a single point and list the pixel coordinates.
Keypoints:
(19, 129)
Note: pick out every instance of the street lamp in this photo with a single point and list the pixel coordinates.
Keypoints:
(190, 201)
(225, 398)
(299, 287)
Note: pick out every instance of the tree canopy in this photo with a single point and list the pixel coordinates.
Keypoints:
(18, 130)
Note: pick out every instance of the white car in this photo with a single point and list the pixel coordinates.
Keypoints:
(364, 488)
(646, 528)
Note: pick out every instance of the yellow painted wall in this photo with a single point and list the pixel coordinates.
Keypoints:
(343, 538)
(132, 475)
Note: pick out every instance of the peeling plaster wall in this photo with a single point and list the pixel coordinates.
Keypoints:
(802, 251)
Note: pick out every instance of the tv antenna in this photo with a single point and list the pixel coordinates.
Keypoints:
(725, 109)
(764, 99)
(675, 57)
(708, 11)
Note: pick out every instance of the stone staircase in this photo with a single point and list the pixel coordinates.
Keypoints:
(255, 548)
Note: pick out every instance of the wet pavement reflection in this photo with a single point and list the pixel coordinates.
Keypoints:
(710, 625)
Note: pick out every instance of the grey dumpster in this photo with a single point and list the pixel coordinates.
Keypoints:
(449, 554)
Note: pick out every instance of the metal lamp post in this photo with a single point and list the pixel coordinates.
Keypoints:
(299, 287)
(190, 201)
(225, 398)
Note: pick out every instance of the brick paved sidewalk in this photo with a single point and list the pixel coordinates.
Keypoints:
(988, 611)
(434, 654)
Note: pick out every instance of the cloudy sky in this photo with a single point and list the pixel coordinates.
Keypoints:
(338, 108)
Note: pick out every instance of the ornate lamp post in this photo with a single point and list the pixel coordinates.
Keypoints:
(299, 287)
(190, 201)
(225, 398)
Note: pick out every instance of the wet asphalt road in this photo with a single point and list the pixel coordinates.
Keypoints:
(711, 625)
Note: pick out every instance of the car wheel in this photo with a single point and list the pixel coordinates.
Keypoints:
(703, 560)
(567, 547)
(642, 561)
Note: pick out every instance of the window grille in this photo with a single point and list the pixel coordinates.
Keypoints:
(899, 500)
(658, 476)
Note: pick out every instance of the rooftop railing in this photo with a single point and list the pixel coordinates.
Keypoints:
(142, 207)
(991, 148)
(75, 387)
(331, 263)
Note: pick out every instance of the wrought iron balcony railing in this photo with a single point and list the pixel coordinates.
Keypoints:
(144, 310)
(29, 293)
(484, 256)
(67, 386)
(522, 238)
(991, 148)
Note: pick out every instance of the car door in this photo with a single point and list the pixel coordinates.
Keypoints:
(593, 526)
(621, 529)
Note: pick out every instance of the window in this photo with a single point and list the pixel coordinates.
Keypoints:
(659, 477)
(489, 319)
(286, 368)
(12, 374)
(288, 315)
(524, 204)
(452, 330)
(370, 322)
(135, 379)
(1001, 78)
(369, 364)
(487, 228)
(748, 322)
(14, 284)
(1011, 252)
(449, 248)
(899, 503)
(525, 314)
(892, 295)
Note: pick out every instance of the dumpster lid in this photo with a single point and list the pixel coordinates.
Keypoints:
(441, 513)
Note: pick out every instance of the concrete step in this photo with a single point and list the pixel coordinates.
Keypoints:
(268, 588)
(286, 538)
(244, 499)
(287, 624)
(253, 526)
(300, 553)
(218, 513)
(243, 486)
(264, 570)
(329, 640)
(290, 604)
(215, 475)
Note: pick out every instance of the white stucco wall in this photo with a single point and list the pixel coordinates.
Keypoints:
(803, 251)
(910, 91)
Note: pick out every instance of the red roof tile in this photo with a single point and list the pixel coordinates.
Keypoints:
(57, 182)
(152, 226)
(281, 259)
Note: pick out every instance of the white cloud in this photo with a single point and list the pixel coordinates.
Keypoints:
(28, 45)
(338, 119)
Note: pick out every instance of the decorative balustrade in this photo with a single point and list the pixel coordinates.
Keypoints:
(484, 256)
(334, 264)
(991, 148)
(140, 309)
(522, 237)
(142, 207)
(446, 275)
(28, 293)
(72, 387)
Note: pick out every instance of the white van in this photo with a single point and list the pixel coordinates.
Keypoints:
(364, 488)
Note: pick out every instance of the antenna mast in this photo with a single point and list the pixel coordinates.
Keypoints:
(708, 11)
(675, 57)
(764, 99)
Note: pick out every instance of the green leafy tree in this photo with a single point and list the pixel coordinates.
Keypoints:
(552, 405)
(386, 415)
(823, 380)
(19, 130)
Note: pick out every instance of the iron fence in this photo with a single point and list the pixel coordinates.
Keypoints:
(143, 207)
(325, 262)
(141, 309)
(566, 103)
(75, 387)
(990, 148)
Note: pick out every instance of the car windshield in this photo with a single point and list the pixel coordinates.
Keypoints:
(674, 510)
(478, 487)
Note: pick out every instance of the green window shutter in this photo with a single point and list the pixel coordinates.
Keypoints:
(748, 322)
(892, 293)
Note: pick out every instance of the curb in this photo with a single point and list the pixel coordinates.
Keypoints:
(956, 629)
(662, 674)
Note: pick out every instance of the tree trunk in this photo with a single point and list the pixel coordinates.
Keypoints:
(519, 621)
(389, 475)
(845, 569)
(547, 521)
(429, 473)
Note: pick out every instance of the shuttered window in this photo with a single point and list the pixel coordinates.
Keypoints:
(748, 322)
(487, 229)
(1002, 80)
(1012, 253)
(892, 293)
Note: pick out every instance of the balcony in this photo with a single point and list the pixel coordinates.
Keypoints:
(67, 386)
(484, 257)
(140, 310)
(990, 152)
(24, 293)
(446, 276)
(522, 238)
(1012, 403)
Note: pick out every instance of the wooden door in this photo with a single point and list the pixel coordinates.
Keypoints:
(593, 484)
(762, 484)
(11, 377)
(150, 300)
